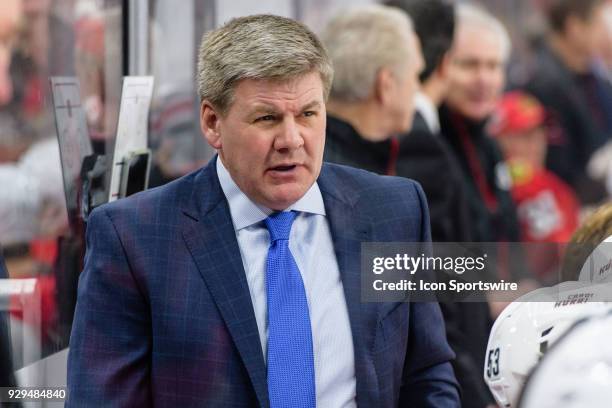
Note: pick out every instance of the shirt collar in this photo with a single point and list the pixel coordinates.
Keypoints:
(428, 110)
(245, 212)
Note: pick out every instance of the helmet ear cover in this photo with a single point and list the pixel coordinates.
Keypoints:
(598, 266)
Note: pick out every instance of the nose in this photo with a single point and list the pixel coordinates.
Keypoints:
(489, 72)
(289, 136)
(484, 74)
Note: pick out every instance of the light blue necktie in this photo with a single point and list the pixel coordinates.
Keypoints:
(291, 378)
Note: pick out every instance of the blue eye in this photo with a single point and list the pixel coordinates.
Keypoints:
(309, 113)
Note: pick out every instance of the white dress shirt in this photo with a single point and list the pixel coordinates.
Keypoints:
(425, 106)
(312, 247)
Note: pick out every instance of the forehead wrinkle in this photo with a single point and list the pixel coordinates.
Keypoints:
(486, 52)
(280, 101)
(266, 107)
(485, 37)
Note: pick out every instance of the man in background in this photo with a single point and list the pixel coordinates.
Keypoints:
(546, 206)
(476, 81)
(424, 155)
(577, 97)
(377, 60)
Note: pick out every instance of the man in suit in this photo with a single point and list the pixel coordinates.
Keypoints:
(239, 285)
(476, 81)
(578, 99)
(374, 84)
(356, 117)
(423, 153)
(425, 156)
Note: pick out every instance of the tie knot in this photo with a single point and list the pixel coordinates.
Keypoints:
(279, 225)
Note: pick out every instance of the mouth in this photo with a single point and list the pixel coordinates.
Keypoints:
(480, 97)
(284, 168)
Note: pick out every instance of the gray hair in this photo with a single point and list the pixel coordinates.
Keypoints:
(257, 47)
(360, 42)
(471, 15)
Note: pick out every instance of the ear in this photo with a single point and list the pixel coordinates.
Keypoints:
(442, 68)
(209, 123)
(383, 86)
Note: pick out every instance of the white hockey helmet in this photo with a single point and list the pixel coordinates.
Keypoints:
(529, 326)
(598, 266)
(577, 372)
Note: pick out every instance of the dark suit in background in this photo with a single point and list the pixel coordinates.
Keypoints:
(575, 134)
(427, 158)
(479, 158)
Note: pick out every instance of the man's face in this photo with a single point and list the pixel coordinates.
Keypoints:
(407, 87)
(588, 35)
(605, 43)
(272, 137)
(527, 146)
(476, 72)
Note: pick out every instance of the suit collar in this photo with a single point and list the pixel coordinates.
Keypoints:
(428, 111)
(201, 193)
(245, 212)
(333, 186)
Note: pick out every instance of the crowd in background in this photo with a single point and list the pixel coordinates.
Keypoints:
(509, 145)
(500, 161)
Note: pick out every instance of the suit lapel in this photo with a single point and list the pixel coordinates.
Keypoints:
(349, 229)
(211, 239)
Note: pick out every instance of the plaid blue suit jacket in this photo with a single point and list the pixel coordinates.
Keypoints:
(164, 315)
